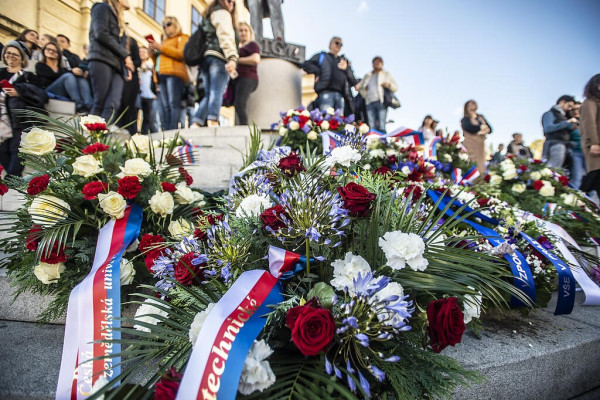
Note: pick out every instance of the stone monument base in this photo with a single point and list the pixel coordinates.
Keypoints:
(279, 89)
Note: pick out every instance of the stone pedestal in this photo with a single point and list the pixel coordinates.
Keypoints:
(280, 82)
(279, 89)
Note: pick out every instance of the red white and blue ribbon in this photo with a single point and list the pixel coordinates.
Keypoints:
(408, 136)
(432, 149)
(214, 368)
(186, 152)
(331, 140)
(94, 310)
(464, 180)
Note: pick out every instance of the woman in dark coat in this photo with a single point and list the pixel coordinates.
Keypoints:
(475, 129)
(590, 134)
(19, 92)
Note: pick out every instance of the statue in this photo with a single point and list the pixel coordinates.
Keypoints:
(260, 9)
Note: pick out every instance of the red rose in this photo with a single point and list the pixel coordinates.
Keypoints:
(38, 185)
(3, 189)
(446, 323)
(383, 170)
(185, 271)
(56, 255)
(333, 124)
(483, 202)
(510, 156)
(487, 177)
(168, 187)
(286, 119)
(523, 167)
(415, 190)
(31, 242)
(1, 169)
(95, 148)
(273, 217)
(563, 180)
(129, 186)
(312, 328)
(537, 185)
(537, 161)
(303, 119)
(91, 190)
(291, 164)
(166, 388)
(96, 126)
(357, 199)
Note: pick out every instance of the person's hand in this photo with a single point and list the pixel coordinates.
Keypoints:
(12, 92)
(595, 149)
(573, 121)
(231, 66)
(77, 71)
(484, 130)
(129, 75)
(386, 85)
(343, 64)
(129, 64)
(86, 74)
(154, 46)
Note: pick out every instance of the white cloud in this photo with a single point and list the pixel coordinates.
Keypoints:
(362, 7)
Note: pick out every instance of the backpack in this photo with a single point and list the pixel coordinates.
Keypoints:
(194, 49)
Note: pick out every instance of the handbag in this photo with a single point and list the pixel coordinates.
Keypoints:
(389, 99)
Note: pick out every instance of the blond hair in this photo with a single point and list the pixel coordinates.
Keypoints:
(243, 23)
(174, 21)
(118, 10)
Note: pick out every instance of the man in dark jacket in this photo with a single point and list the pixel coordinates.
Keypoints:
(557, 130)
(517, 147)
(333, 76)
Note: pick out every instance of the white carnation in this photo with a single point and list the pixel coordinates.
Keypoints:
(372, 141)
(344, 156)
(391, 152)
(472, 306)
(404, 248)
(546, 172)
(389, 317)
(463, 156)
(535, 176)
(377, 153)
(256, 373)
(199, 319)
(448, 157)
(348, 269)
(143, 314)
(253, 205)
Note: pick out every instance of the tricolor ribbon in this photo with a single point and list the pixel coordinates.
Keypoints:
(408, 136)
(330, 140)
(466, 179)
(214, 368)
(186, 152)
(523, 278)
(432, 149)
(94, 310)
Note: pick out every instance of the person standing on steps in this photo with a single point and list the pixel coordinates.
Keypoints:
(247, 81)
(372, 89)
(475, 129)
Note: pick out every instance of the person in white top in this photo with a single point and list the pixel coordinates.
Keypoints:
(371, 88)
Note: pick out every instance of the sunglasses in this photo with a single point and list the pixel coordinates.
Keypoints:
(15, 55)
(52, 51)
(167, 24)
(338, 43)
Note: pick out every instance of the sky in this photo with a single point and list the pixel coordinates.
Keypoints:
(514, 57)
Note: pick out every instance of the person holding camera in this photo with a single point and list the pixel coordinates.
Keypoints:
(333, 76)
(557, 130)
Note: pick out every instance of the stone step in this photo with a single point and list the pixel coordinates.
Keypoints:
(534, 357)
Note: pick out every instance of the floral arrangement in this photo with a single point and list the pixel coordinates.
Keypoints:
(300, 128)
(80, 178)
(382, 283)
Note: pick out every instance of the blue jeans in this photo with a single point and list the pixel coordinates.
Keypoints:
(108, 89)
(215, 78)
(557, 153)
(74, 88)
(187, 113)
(376, 115)
(171, 90)
(577, 169)
(329, 98)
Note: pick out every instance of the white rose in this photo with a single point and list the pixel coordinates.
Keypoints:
(547, 190)
(330, 111)
(546, 172)
(518, 187)
(283, 131)
(162, 203)
(349, 128)
(312, 135)
(405, 170)
(145, 313)
(198, 199)
(294, 125)
(344, 156)
(448, 157)
(113, 204)
(325, 125)
(472, 306)
(135, 167)
(463, 156)
(183, 194)
(495, 180)
(126, 272)
(391, 152)
(47, 210)
(367, 167)
(305, 113)
(253, 205)
(569, 199)
(377, 153)
(507, 164)
(348, 269)
(257, 374)
(86, 166)
(535, 176)
(139, 144)
(509, 174)
(37, 142)
(48, 273)
(199, 319)
(404, 248)
(372, 141)
(290, 112)
(180, 228)
(364, 128)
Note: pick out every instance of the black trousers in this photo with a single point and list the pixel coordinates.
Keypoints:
(243, 88)
(107, 86)
(147, 115)
(128, 104)
(9, 155)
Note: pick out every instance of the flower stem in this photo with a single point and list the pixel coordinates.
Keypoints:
(307, 242)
